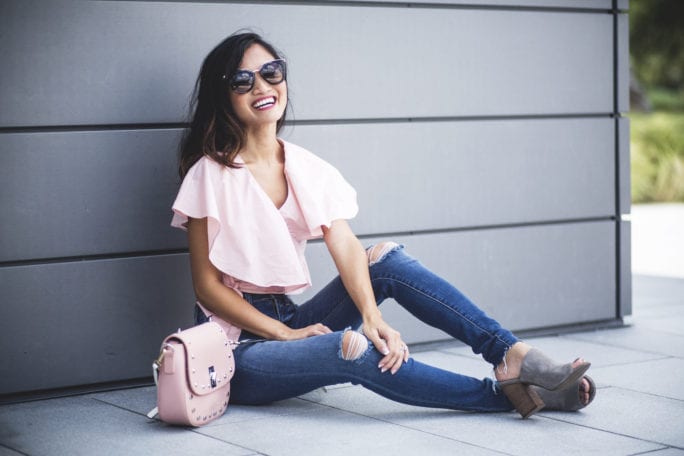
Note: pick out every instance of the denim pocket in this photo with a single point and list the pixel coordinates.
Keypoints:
(278, 307)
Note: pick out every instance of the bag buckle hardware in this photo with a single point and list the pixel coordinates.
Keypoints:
(158, 361)
(212, 376)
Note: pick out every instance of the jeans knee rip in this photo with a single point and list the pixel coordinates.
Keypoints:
(377, 252)
(353, 345)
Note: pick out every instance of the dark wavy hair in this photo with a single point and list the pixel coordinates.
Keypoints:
(215, 130)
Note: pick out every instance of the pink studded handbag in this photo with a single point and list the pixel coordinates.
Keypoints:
(193, 375)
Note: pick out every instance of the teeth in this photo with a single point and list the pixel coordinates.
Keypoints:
(264, 102)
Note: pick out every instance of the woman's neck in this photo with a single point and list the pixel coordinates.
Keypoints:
(261, 146)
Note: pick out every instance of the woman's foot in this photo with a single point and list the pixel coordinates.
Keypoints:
(511, 368)
(526, 371)
(586, 391)
(570, 399)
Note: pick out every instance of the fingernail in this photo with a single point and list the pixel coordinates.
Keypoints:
(383, 370)
(385, 352)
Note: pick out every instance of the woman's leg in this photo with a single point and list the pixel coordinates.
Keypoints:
(268, 371)
(395, 274)
(427, 296)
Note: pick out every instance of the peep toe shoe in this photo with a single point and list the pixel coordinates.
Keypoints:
(539, 370)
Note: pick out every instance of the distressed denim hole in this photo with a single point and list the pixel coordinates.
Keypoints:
(354, 345)
(378, 251)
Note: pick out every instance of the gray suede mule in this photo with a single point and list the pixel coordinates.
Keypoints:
(539, 370)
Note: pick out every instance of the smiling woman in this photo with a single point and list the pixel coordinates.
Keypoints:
(259, 97)
(216, 129)
(250, 201)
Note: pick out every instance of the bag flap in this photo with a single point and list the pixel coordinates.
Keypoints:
(209, 355)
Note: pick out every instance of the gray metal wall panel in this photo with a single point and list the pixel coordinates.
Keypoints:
(622, 63)
(92, 193)
(590, 4)
(73, 62)
(526, 278)
(87, 322)
(124, 307)
(460, 174)
(625, 296)
(625, 179)
(445, 62)
(84, 193)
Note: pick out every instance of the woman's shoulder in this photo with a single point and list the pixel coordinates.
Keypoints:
(299, 156)
(207, 168)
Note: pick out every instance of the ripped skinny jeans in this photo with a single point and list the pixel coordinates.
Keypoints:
(268, 371)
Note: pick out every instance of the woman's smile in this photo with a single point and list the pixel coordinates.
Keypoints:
(265, 103)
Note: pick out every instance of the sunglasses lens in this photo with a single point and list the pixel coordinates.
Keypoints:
(242, 81)
(273, 72)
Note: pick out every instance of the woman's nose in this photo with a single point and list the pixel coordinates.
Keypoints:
(260, 84)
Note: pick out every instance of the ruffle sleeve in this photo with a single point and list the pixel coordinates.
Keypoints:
(248, 239)
(197, 198)
(323, 194)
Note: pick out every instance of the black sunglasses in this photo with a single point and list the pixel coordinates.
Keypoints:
(273, 72)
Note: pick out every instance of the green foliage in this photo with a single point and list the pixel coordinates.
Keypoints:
(656, 40)
(663, 99)
(657, 156)
(657, 142)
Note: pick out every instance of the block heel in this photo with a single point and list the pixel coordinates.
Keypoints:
(525, 400)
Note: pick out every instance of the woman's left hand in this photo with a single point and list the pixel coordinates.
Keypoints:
(352, 263)
(387, 341)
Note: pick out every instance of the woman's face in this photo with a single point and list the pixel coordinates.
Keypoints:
(265, 103)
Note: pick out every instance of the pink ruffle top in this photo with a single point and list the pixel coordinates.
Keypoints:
(258, 247)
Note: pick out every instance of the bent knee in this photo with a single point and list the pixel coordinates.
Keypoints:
(354, 345)
(378, 251)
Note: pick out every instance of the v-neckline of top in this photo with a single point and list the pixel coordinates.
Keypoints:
(241, 160)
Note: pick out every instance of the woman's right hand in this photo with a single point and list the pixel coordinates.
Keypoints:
(317, 329)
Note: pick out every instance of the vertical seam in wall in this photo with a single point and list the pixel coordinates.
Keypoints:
(616, 151)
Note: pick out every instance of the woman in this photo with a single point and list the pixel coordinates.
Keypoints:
(250, 201)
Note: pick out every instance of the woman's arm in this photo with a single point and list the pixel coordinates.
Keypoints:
(352, 263)
(226, 302)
